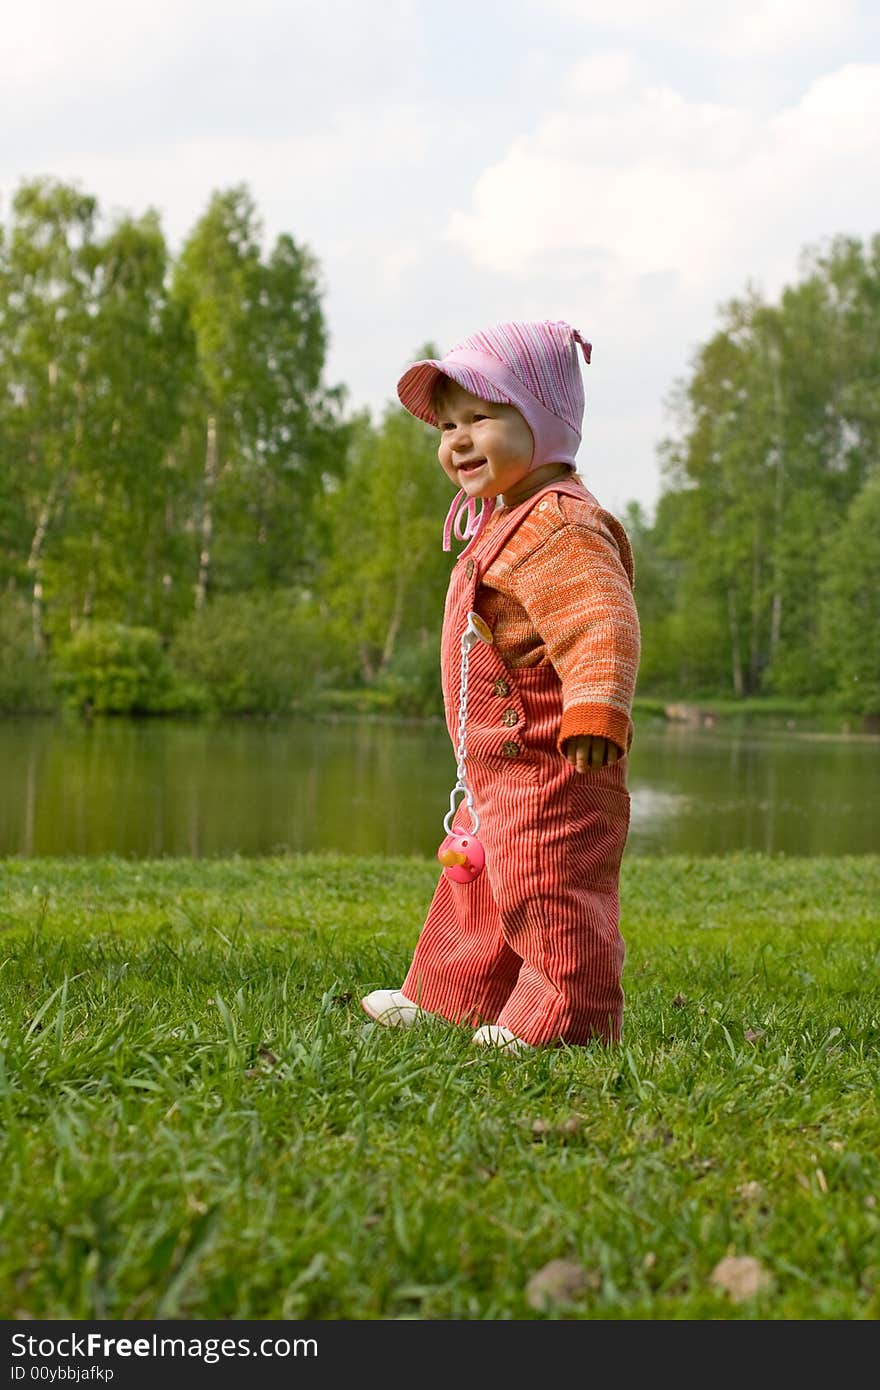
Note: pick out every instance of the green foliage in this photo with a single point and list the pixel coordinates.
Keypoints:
(257, 653)
(851, 602)
(93, 359)
(25, 685)
(778, 430)
(385, 572)
(263, 432)
(168, 440)
(164, 429)
(108, 668)
(357, 701)
(411, 679)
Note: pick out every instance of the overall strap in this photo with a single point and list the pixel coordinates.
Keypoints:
(498, 535)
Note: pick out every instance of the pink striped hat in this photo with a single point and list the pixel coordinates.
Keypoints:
(533, 366)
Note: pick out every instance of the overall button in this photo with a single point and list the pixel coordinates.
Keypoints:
(510, 717)
(500, 688)
(469, 569)
(509, 749)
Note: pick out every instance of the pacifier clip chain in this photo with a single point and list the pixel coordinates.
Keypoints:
(461, 854)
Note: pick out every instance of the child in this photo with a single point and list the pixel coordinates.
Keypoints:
(529, 952)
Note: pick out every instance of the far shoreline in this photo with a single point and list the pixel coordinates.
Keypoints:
(811, 718)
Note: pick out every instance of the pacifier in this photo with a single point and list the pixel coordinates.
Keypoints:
(462, 857)
(477, 630)
(461, 853)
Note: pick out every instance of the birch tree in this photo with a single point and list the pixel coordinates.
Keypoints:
(47, 292)
(262, 428)
(92, 357)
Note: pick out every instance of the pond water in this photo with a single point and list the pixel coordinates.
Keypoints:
(152, 788)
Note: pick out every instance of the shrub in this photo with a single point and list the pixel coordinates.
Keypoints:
(108, 668)
(257, 653)
(412, 679)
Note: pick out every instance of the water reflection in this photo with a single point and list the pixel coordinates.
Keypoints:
(155, 788)
(712, 792)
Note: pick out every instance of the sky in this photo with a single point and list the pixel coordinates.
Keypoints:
(627, 167)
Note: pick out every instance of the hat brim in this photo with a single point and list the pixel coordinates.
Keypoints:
(416, 387)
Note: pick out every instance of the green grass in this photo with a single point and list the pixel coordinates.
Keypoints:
(198, 1121)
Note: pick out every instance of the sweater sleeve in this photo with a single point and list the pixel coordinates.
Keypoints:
(576, 586)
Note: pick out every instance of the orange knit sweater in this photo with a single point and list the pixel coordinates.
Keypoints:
(561, 591)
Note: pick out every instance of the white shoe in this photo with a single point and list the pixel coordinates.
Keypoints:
(392, 1009)
(494, 1035)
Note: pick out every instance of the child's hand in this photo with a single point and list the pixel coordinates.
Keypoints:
(585, 752)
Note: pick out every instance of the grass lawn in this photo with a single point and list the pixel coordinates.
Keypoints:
(198, 1121)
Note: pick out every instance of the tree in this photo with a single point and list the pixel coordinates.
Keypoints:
(850, 607)
(777, 428)
(47, 290)
(118, 559)
(266, 430)
(723, 465)
(386, 571)
(92, 359)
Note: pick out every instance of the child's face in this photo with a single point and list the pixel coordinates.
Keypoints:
(484, 448)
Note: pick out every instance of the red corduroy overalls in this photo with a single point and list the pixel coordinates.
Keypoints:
(533, 943)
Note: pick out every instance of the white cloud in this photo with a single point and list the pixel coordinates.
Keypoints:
(658, 183)
(750, 29)
(153, 69)
(640, 215)
(601, 73)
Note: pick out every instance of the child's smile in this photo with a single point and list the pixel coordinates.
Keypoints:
(484, 448)
(487, 449)
(470, 466)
